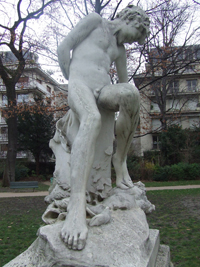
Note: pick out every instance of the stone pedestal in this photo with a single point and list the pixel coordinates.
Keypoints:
(124, 242)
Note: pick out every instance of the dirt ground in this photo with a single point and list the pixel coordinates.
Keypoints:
(193, 205)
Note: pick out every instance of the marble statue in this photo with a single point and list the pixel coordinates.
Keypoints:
(85, 56)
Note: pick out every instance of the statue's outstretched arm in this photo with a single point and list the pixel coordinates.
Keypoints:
(75, 37)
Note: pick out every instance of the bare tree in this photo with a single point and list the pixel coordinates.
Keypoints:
(12, 63)
(169, 53)
(65, 15)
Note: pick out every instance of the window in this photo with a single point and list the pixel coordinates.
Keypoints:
(189, 54)
(4, 147)
(192, 85)
(22, 98)
(156, 124)
(23, 80)
(4, 100)
(174, 87)
(180, 55)
(155, 141)
(192, 104)
(194, 122)
(173, 104)
(155, 107)
(4, 130)
(39, 81)
(49, 89)
(198, 54)
(189, 69)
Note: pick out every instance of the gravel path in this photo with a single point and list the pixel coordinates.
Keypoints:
(45, 193)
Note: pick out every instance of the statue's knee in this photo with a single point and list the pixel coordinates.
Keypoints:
(131, 94)
(95, 120)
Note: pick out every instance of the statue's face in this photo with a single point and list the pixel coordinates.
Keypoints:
(134, 31)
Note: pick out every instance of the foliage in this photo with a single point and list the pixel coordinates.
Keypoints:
(140, 169)
(21, 171)
(193, 144)
(152, 156)
(176, 172)
(134, 167)
(35, 129)
(172, 141)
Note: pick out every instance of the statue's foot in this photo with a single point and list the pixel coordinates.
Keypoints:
(123, 180)
(74, 231)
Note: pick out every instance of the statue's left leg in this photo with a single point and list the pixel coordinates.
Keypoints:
(124, 98)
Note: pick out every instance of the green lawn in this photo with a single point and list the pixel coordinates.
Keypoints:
(173, 183)
(177, 216)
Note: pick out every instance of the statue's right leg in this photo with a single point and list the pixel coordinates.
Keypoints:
(124, 98)
(83, 104)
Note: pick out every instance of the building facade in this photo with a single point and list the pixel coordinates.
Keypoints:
(33, 80)
(170, 94)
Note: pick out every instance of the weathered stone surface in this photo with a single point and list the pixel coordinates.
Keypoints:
(124, 242)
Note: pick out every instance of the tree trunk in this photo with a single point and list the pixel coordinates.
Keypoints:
(6, 181)
(9, 171)
(12, 147)
(37, 162)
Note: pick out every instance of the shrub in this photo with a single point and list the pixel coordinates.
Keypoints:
(21, 172)
(134, 167)
(180, 171)
(161, 173)
(172, 141)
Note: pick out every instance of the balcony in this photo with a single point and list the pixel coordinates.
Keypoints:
(3, 121)
(32, 84)
(20, 154)
(4, 137)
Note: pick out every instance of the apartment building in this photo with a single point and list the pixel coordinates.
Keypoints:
(33, 80)
(170, 86)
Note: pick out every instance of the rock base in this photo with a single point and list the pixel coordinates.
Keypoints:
(124, 242)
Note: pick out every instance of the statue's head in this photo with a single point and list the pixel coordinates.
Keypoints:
(135, 17)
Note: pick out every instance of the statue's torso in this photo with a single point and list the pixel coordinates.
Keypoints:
(92, 58)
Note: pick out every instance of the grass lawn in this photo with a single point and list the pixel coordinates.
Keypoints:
(172, 183)
(177, 216)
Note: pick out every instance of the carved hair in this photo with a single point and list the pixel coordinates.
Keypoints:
(131, 12)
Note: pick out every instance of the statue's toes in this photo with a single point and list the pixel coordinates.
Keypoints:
(82, 240)
(122, 185)
(75, 243)
(70, 242)
(129, 183)
(64, 236)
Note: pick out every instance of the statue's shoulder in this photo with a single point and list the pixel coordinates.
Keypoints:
(93, 18)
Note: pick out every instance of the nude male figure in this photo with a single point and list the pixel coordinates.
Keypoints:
(96, 43)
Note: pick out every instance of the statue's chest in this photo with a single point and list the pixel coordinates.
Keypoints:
(106, 41)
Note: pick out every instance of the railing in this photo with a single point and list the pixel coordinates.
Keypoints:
(26, 85)
(3, 137)
(3, 154)
(2, 121)
(21, 154)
